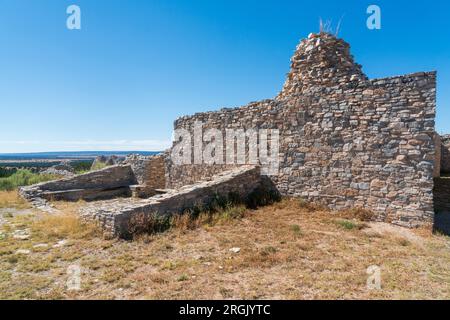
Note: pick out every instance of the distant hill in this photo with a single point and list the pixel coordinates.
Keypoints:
(69, 155)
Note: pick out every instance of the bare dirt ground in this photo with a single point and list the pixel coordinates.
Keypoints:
(284, 251)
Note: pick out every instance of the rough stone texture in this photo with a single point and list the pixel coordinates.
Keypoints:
(149, 172)
(345, 141)
(316, 61)
(58, 172)
(102, 184)
(445, 154)
(63, 169)
(122, 217)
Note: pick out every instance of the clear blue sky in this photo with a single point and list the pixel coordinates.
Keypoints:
(135, 66)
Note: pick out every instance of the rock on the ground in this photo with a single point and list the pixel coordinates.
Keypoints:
(235, 250)
(23, 251)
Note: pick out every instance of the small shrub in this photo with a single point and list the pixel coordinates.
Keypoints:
(296, 229)
(403, 242)
(81, 166)
(13, 259)
(268, 251)
(262, 196)
(232, 212)
(183, 277)
(350, 225)
(169, 265)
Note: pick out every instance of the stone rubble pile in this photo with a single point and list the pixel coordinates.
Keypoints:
(321, 60)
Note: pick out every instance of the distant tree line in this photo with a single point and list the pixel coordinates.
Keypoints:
(6, 172)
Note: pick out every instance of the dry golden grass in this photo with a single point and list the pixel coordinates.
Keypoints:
(11, 199)
(63, 226)
(287, 251)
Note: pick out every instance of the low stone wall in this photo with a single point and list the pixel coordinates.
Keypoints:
(102, 184)
(122, 217)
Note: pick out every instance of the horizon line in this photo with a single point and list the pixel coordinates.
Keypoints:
(84, 151)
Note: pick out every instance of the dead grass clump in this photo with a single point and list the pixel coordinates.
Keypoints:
(310, 206)
(69, 207)
(298, 203)
(143, 223)
(403, 242)
(284, 203)
(191, 221)
(357, 213)
(11, 199)
(63, 226)
(267, 256)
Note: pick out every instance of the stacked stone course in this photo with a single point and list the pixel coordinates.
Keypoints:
(346, 141)
(149, 172)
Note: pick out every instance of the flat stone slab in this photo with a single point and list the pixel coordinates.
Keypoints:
(106, 183)
(85, 194)
(118, 216)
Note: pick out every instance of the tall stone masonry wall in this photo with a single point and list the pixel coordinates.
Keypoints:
(345, 141)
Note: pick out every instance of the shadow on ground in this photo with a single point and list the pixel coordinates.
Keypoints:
(442, 222)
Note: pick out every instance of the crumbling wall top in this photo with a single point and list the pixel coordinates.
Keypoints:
(321, 60)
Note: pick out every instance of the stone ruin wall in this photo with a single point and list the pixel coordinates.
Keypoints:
(445, 154)
(149, 172)
(345, 141)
